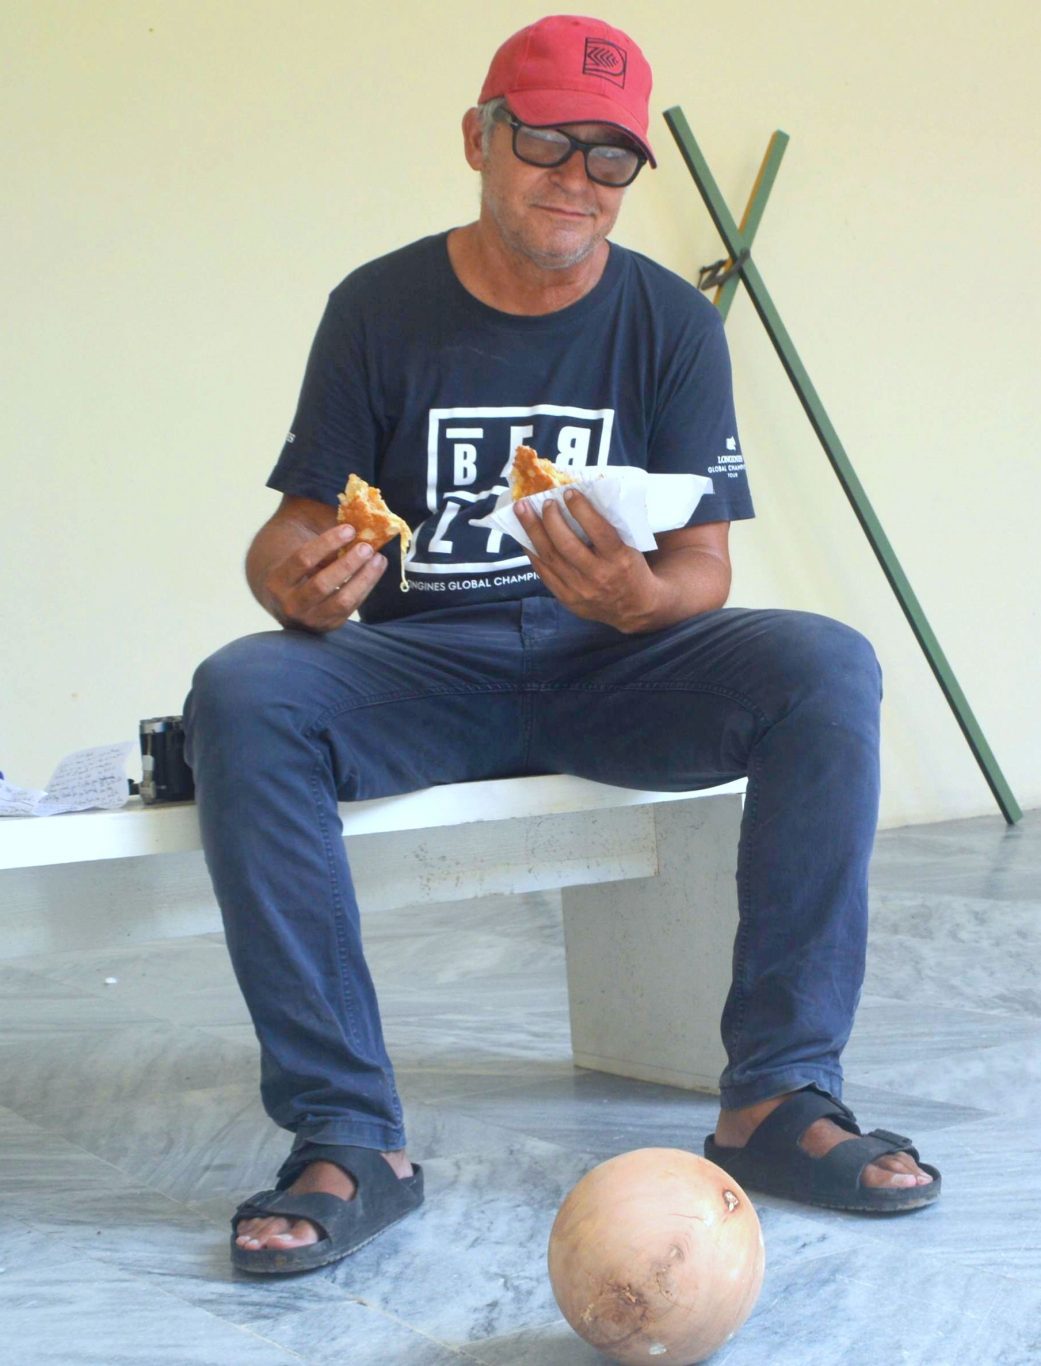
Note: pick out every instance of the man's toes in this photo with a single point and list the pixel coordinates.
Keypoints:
(275, 1232)
(880, 1176)
(248, 1229)
(254, 1233)
(300, 1234)
(895, 1171)
(904, 1164)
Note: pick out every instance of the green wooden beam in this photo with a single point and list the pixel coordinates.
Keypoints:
(749, 225)
(737, 242)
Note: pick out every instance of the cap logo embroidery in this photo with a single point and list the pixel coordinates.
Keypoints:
(606, 59)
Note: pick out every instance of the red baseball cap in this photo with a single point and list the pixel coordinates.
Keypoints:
(567, 69)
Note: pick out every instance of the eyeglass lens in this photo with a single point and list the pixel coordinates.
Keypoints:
(607, 164)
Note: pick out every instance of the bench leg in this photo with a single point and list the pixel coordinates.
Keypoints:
(649, 960)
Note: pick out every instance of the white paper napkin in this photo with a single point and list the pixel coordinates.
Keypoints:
(637, 504)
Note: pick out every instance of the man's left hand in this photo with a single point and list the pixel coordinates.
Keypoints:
(605, 581)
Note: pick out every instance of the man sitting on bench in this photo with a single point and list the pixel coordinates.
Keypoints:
(430, 366)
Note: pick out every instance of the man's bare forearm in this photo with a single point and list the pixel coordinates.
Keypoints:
(688, 581)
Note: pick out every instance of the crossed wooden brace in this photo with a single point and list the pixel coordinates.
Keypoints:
(726, 276)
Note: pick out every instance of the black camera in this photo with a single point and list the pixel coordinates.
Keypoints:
(165, 777)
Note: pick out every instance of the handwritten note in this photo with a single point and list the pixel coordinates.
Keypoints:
(84, 780)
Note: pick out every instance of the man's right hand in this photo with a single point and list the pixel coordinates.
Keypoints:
(315, 588)
(295, 573)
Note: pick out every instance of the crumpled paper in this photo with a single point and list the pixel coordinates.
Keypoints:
(85, 780)
(637, 504)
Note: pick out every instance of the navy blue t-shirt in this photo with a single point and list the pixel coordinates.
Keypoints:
(418, 387)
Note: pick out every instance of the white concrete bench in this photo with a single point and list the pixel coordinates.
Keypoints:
(649, 896)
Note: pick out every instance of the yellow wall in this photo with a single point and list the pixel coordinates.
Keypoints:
(184, 182)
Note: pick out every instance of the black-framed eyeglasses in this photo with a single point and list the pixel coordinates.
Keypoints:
(606, 163)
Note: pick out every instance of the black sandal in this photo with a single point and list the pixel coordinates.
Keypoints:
(772, 1161)
(382, 1199)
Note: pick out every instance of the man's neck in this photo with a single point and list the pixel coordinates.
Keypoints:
(512, 283)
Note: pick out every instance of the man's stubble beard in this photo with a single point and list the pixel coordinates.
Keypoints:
(515, 241)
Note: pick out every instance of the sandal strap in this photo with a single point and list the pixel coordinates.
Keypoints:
(324, 1211)
(365, 1166)
(845, 1162)
(901, 1143)
(778, 1134)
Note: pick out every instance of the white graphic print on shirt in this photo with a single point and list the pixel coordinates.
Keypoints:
(469, 452)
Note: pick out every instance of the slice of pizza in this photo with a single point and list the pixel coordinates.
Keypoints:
(530, 474)
(362, 507)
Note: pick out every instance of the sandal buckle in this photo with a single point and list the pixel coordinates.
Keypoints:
(888, 1136)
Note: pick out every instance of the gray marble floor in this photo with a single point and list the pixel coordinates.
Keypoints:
(129, 1126)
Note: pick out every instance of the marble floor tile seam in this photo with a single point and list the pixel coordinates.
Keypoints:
(471, 1350)
(57, 963)
(468, 1144)
(478, 1349)
(128, 1064)
(268, 1338)
(248, 1333)
(108, 1256)
(493, 956)
(965, 923)
(195, 1210)
(48, 1132)
(967, 886)
(472, 1105)
(136, 1012)
(75, 1259)
(106, 1265)
(875, 1232)
(462, 1350)
(501, 1133)
(880, 998)
(126, 1181)
(985, 827)
(454, 1095)
(994, 955)
(115, 1016)
(956, 1116)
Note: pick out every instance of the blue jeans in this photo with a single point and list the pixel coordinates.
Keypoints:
(284, 724)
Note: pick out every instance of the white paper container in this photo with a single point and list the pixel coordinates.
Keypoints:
(637, 504)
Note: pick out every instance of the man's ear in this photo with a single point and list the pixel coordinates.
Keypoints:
(472, 139)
